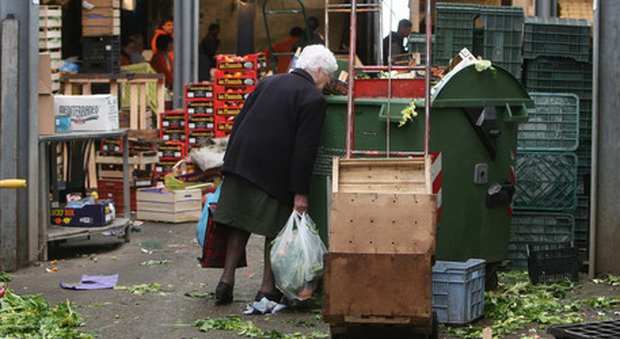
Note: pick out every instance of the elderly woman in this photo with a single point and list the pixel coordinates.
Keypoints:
(269, 160)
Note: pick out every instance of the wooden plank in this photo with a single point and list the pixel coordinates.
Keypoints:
(142, 106)
(375, 286)
(92, 166)
(382, 223)
(134, 160)
(100, 31)
(161, 99)
(391, 175)
(133, 107)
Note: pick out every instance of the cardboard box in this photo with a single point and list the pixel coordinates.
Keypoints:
(98, 214)
(45, 73)
(88, 112)
(199, 106)
(169, 206)
(47, 123)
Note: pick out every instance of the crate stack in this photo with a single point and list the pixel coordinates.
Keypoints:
(101, 42)
(50, 40)
(495, 33)
(557, 59)
(173, 133)
(110, 170)
(546, 176)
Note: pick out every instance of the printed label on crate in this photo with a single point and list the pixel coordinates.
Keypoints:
(111, 145)
(228, 108)
(227, 111)
(173, 120)
(200, 121)
(199, 90)
(232, 95)
(171, 150)
(225, 126)
(199, 136)
(199, 107)
(173, 134)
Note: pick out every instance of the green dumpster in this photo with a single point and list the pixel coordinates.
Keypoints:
(474, 118)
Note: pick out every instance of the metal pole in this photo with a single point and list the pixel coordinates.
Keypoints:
(245, 28)
(185, 47)
(350, 96)
(427, 81)
(545, 8)
(389, 84)
(594, 169)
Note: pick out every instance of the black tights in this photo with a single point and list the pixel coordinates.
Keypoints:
(237, 241)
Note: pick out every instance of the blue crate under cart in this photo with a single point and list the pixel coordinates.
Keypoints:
(458, 290)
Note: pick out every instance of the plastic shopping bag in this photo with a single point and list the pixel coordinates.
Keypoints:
(297, 257)
(201, 226)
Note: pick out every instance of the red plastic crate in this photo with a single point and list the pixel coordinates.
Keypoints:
(378, 88)
(235, 78)
(228, 93)
(173, 119)
(247, 62)
(172, 149)
(165, 166)
(199, 136)
(201, 121)
(197, 90)
(173, 134)
(199, 106)
(228, 108)
(113, 189)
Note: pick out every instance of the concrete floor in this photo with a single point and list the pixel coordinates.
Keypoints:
(171, 314)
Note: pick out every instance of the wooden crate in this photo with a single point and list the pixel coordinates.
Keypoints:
(378, 289)
(382, 223)
(105, 3)
(392, 175)
(169, 206)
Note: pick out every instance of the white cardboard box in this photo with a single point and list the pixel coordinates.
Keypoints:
(88, 112)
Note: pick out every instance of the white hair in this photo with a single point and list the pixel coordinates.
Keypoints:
(314, 57)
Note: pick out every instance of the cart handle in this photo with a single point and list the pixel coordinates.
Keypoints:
(13, 183)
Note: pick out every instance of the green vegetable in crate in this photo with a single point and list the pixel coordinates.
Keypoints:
(297, 257)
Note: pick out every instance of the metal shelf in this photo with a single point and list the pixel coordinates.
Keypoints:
(119, 225)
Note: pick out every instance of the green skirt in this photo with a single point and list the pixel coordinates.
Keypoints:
(244, 206)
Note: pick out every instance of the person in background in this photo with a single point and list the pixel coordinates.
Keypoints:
(208, 48)
(166, 27)
(131, 50)
(313, 37)
(268, 162)
(285, 46)
(398, 41)
(161, 61)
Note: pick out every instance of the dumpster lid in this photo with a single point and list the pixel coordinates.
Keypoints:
(469, 88)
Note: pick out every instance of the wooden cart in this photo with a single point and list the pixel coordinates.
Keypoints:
(381, 245)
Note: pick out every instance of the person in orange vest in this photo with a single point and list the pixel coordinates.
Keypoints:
(166, 27)
(286, 46)
(161, 61)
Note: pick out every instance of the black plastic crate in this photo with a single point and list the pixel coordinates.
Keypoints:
(549, 265)
(101, 54)
(602, 329)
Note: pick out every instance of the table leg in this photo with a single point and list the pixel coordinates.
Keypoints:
(133, 106)
(126, 205)
(142, 94)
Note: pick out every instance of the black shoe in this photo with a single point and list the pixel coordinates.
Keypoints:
(275, 296)
(223, 293)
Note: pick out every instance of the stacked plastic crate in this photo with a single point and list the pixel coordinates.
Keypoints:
(557, 56)
(101, 43)
(173, 131)
(50, 40)
(546, 176)
(494, 33)
(235, 78)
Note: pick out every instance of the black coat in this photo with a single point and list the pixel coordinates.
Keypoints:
(275, 137)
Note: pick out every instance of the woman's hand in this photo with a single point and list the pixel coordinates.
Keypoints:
(300, 203)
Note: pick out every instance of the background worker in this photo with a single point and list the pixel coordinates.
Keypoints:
(269, 160)
(208, 47)
(398, 41)
(286, 46)
(161, 62)
(166, 27)
(313, 36)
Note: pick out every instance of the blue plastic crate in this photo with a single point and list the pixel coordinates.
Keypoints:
(546, 230)
(458, 290)
(546, 181)
(553, 125)
(549, 36)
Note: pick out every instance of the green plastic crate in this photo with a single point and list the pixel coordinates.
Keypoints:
(417, 44)
(553, 125)
(546, 181)
(582, 221)
(559, 75)
(503, 36)
(548, 230)
(454, 30)
(561, 37)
